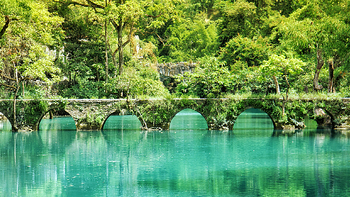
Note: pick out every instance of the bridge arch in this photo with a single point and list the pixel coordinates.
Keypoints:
(50, 108)
(200, 119)
(323, 117)
(4, 119)
(119, 112)
(60, 111)
(257, 117)
(266, 106)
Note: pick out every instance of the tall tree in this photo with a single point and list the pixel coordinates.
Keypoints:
(124, 15)
(31, 31)
(239, 18)
(312, 31)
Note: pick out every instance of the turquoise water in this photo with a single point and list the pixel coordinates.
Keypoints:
(122, 160)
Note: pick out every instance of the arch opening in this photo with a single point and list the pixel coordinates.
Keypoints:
(122, 120)
(188, 119)
(323, 118)
(254, 119)
(58, 120)
(310, 123)
(5, 124)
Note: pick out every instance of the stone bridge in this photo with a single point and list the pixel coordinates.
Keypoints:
(91, 114)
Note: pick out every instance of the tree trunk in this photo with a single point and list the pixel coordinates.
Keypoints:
(119, 28)
(23, 89)
(275, 80)
(106, 48)
(120, 48)
(15, 126)
(288, 86)
(320, 64)
(331, 87)
(114, 62)
(3, 30)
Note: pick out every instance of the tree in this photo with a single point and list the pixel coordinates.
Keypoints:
(280, 66)
(189, 40)
(311, 31)
(239, 18)
(31, 31)
(124, 15)
(210, 80)
(252, 52)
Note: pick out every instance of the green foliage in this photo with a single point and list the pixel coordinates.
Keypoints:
(33, 109)
(239, 36)
(189, 40)
(209, 80)
(84, 61)
(251, 52)
(135, 82)
(32, 31)
(81, 89)
(239, 18)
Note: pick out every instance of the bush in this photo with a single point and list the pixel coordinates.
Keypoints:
(246, 50)
(139, 81)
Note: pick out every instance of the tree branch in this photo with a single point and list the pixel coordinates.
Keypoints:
(3, 30)
(125, 43)
(95, 5)
(154, 16)
(89, 4)
(115, 25)
(9, 86)
(7, 77)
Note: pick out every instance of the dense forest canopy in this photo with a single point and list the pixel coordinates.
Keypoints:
(111, 48)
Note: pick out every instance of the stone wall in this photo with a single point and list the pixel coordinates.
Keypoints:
(2, 117)
(173, 69)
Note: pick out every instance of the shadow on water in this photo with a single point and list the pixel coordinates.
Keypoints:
(62, 123)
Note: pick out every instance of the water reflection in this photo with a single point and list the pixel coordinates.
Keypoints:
(129, 162)
(253, 119)
(188, 119)
(5, 125)
(127, 122)
(64, 123)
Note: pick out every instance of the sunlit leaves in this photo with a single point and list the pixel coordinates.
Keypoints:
(241, 49)
(238, 18)
(32, 30)
(128, 12)
(279, 65)
(190, 40)
(211, 79)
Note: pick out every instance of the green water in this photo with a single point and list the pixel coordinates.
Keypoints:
(122, 160)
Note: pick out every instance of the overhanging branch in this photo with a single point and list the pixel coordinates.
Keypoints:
(9, 86)
(3, 30)
(6, 77)
(89, 4)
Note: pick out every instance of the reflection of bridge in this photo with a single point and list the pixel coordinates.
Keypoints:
(91, 114)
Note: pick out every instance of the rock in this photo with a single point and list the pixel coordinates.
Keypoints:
(298, 125)
(172, 69)
(288, 127)
(322, 118)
